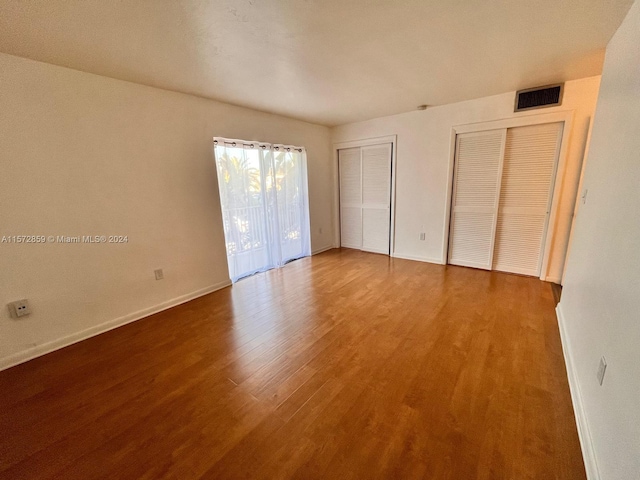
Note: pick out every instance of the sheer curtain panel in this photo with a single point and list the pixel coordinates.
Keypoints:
(264, 200)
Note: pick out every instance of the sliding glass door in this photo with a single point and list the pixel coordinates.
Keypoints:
(263, 194)
(291, 200)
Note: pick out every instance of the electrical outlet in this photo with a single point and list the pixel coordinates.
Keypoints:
(159, 274)
(320, 230)
(601, 369)
(19, 308)
(422, 236)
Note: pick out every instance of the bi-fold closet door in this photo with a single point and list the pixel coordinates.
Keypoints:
(365, 197)
(502, 193)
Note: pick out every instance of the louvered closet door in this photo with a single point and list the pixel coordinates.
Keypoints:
(476, 188)
(376, 198)
(350, 198)
(530, 161)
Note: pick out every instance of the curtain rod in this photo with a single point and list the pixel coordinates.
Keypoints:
(262, 145)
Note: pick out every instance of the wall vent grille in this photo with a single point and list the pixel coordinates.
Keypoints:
(539, 97)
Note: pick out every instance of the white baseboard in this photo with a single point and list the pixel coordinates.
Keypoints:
(588, 454)
(417, 259)
(323, 249)
(39, 350)
(557, 280)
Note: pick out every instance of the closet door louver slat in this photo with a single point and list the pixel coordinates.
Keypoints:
(527, 182)
(350, 198)
(478, 167)
(351, 227)
(376, 197)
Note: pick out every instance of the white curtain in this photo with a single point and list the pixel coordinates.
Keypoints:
(265, 211)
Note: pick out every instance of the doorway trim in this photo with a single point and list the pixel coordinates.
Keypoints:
(567, 118)
(393, 140)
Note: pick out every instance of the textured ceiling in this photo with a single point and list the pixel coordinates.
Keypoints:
(324, 61)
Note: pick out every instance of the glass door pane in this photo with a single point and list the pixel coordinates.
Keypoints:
(242, 197)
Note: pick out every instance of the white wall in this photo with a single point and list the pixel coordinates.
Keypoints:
(600, 307)
(424, 139)
(83, 154)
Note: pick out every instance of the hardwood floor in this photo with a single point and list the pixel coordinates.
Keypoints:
(346, 365)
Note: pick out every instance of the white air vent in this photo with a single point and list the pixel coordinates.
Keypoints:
(539, 97)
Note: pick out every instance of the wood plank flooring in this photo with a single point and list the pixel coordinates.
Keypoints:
(346, 365)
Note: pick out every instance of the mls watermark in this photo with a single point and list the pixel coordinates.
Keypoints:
(26, 239)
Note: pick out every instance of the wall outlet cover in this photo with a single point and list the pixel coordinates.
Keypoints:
(19, 308)
(159, 274)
